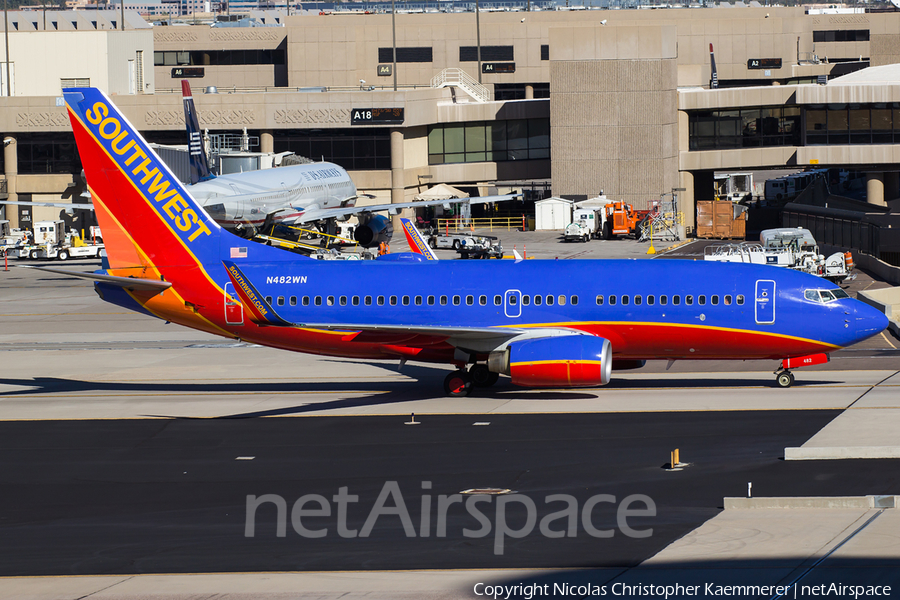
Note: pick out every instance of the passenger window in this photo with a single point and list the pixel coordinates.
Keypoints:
(663, 300)
(513, 300)
(701, 300)
(318, 300)
(573, 300)
(498, 300)
(526, 300)
(625, 300)
(715, 300)
(305, 301)
(418, 300)
(269, 300)
(280, 300)
(599, 299)
(430, 300)
(443, 300)
(330, 301)
(455, 300)
(651, 300)
(740, 299)
(482, 300)
(293, 300)
(380, 301)
(367, 301)
(637, 300)
(393, 300)
(727, 300)
(405, 300)
(549, 300)
(676, 300)
(343, 300)
(562, 300)
(538, 300)
(688, 300)
(612, 300)
(355, 301)
(470, 300)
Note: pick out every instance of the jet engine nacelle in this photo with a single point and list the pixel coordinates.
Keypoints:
(374, 231)
(563, 361)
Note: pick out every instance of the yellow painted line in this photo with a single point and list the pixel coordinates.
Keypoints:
(888, 341)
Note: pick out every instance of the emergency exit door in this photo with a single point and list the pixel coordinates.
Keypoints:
(765, 301)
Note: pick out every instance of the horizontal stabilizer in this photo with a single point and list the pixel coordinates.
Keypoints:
(129, 283)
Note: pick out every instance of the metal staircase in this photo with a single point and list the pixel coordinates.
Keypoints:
(454, 77)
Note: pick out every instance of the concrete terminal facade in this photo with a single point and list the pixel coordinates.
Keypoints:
(612, 100)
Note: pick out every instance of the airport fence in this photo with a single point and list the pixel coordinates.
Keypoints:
(857, 232)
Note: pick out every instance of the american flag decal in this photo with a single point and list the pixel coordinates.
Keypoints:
(239, 252)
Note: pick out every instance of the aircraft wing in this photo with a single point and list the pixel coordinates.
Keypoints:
(70, 206)
(317, 214)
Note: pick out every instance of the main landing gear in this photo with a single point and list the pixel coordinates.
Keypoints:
(459, 383)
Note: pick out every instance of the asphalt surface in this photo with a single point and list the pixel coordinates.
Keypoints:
(169, 496)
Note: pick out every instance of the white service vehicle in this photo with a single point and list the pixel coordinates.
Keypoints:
(51, 242)
(11, 238)
(792, 248)
(586, 223)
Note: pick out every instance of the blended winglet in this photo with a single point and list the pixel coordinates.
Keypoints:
(416, 241)
(260, 311)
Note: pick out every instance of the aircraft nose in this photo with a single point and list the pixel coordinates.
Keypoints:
(869, 321)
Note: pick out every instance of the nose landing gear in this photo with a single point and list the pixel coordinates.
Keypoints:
(783, 376)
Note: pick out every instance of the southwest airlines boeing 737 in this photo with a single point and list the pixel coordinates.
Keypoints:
(543, 323)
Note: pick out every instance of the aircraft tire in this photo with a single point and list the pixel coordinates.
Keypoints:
(458, 384)
(785, 379)
(482, 377)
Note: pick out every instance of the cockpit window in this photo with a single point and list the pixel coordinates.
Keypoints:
(825, 295)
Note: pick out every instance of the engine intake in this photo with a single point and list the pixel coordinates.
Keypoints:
(374, 231)
(563, 361)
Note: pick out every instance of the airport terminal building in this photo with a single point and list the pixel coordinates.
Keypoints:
(568, 102)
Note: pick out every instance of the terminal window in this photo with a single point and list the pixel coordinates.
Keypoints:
(173, 58)
(488, 53)
(43, 153)
(809, 125)
(496, 141)
(421, 54)
(841, 35)
(358, 150)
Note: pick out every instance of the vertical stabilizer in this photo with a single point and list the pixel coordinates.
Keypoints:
(147, 216)
(199, 162)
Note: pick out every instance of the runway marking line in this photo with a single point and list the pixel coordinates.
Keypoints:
(888, 341)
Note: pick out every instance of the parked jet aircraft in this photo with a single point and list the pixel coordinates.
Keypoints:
(543, 323)
(296, 194)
